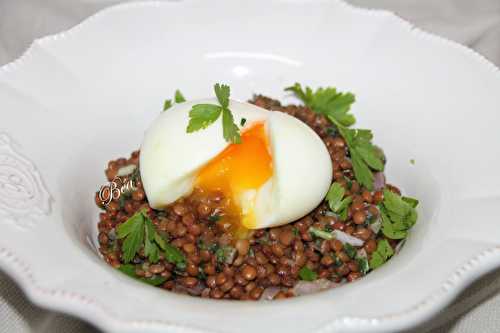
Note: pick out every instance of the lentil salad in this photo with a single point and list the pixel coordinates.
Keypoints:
(187, 248)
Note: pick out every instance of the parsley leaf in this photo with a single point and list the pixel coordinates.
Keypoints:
(383, 252)
(335, 106)
(334, 196)
(230, 131)
(222, 92)
(411, 201)
(398, 215)
(179, 97)
(150, 248)
(327, 101)
(364, 155)
(133, 232)
(243, 121)
(139, 231)
(336, 201)
(175, 256)
(307, 274)
(202, 115)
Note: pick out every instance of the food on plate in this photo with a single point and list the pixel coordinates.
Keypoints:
(253, 200)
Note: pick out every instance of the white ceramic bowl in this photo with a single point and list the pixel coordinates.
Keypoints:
(77, 99)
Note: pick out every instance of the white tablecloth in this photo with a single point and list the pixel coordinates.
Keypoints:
(475, 23)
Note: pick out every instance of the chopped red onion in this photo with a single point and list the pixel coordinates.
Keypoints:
(375, 226)
(194, 291)
(346, 238)
(269, 293)
(399, 246)
(362, 253)
(378, 181)
(306, 287)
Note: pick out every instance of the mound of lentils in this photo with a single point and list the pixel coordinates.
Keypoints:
(267, 263)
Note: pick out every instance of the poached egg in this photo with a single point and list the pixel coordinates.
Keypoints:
(278, 173)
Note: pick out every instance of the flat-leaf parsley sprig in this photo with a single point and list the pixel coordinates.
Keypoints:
(138, 231)
(336, 106)
(203, 115)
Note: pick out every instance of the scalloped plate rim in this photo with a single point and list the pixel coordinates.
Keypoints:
(88, 309)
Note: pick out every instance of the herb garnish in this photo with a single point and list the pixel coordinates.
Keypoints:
(364, 155)
(382, 253)
(327, 101)
(133, 232)
(203, 115)
(178, 98)
(139, 231)
(336, 106)
(175, 256)
(214, 218)
(363, 265)
(307, 274)
(223, 253)
(412, 201)
(350, 250)
(336, 201)
(398, 215)
(321, 234)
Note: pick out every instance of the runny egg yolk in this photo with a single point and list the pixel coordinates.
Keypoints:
(238, 172)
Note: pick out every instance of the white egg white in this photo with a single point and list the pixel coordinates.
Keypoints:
(302, 169)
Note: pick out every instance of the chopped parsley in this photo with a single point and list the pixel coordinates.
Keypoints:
(350, 250)
(398, 215)
(214, 218)
(336, 201)
(178, 98)
(334, 196)
(203, 115)
(307, 274)
(383, 252)
(363, 265)
(243, 121)
(223, 253)
(320, 233)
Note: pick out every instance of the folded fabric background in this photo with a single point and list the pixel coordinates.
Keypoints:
(473, 23)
